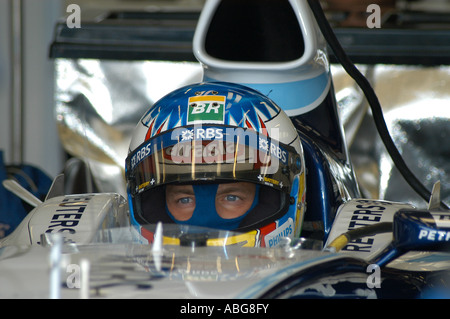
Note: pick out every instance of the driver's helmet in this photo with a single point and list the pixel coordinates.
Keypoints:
(207, 135)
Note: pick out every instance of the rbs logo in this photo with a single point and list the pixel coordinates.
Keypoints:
(206, 108)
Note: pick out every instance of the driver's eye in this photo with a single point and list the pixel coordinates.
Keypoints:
(185, 200)
(231, 198)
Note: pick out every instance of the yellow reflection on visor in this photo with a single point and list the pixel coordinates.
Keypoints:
(245, 240)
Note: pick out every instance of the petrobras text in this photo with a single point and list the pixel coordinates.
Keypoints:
(442, 220)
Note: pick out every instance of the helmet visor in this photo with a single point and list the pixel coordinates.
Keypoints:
(211, 153)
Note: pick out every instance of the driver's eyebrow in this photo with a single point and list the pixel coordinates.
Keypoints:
(231, 189)
(175, 190)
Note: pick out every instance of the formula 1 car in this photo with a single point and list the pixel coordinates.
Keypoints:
(83, 246)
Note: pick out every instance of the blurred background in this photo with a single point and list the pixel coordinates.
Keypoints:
(67, 104)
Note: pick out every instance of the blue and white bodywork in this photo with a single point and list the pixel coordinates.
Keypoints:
(82, 245)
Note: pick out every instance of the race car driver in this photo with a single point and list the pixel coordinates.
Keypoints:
(217, 155)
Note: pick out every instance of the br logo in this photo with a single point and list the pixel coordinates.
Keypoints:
(206, 108)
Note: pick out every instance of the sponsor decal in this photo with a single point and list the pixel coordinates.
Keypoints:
(269, 181)
(199, 133)
(140, 154)
(434, 235)
(206, 108)
(209, 144)
(286, 230)
(68, 214)
(366, 212)
(442, 220)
